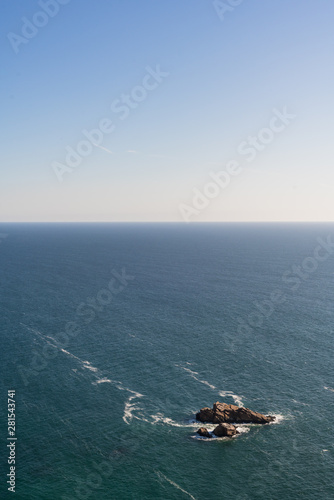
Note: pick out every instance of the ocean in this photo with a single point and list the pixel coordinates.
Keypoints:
(115, 335)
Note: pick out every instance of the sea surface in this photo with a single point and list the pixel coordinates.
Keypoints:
(114, 335)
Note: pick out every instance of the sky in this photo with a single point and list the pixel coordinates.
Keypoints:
(185, 111)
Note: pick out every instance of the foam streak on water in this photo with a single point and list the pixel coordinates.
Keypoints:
(237, 399)
(193, 375)
(160, 474)
(130, 407)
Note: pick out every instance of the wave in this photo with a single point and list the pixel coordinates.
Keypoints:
(300, 403)
(88, 365)
(278, 418)
(43, 337)
(193, 375)
(103, 381)
(160, 418)
(130, 407)
(84, 364)
(242, 429)
(160, 474)
(237, 399)
(54, 343)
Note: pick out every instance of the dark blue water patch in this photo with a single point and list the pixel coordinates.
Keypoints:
(123, 390)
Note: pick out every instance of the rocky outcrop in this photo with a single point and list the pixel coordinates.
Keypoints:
(225, 430)
(206, 415)
(203, 431)
(222, 430)
(224, 413)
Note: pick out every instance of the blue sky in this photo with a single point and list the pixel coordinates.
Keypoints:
(67, 65)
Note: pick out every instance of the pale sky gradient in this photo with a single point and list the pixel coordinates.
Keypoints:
(225, 77)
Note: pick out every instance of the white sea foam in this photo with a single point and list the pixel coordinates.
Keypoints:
(278, 418)
(51, 338)
(300, 403)
(216, 438)
(103, 381)
(193, 375)
(161, 475)
(243, 429)
(44, 337)
(130, 407)
(192, 372)
(235, 397)
(88, 365)
(53, 342)
(85, 364)
(159, 418)
(69, 354)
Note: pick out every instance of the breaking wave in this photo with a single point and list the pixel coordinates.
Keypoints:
(237, 399)
(130, 408)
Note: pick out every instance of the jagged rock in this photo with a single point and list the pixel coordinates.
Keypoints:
(224, 413)
(203, 431)
(225, 430)
(205, 415)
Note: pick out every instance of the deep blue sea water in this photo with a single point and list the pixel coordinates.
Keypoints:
(114, 335)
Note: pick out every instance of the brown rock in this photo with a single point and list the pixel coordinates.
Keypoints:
(224, 413)
(225, 430)
(203, 431)
(205, 415)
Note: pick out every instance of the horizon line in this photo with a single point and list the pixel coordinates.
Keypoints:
(173, 222)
